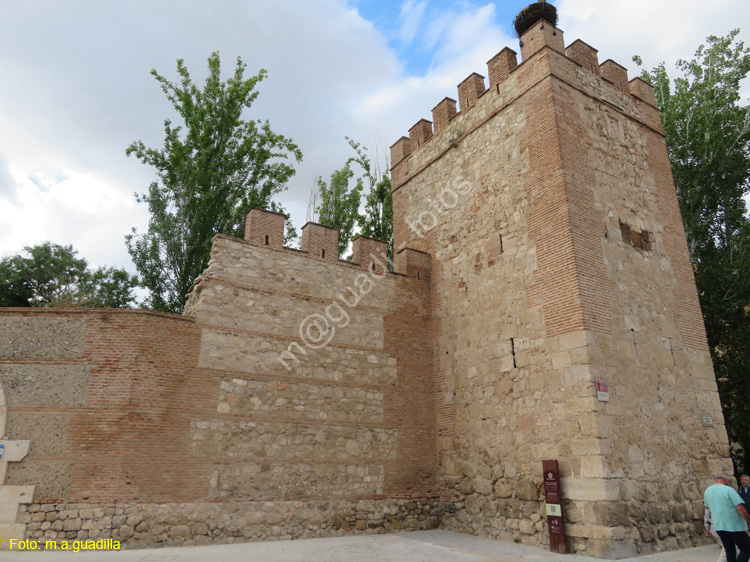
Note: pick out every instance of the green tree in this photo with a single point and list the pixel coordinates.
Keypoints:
(51, 276)
(339, 205)
(377, 221)
(708, 138)
(211, 170)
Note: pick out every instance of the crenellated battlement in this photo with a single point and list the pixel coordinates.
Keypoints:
(266, 228)
(539, 252)
(539, 38)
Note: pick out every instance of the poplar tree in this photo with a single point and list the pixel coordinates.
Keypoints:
(708, 137)
(340, 205)
(213, 167)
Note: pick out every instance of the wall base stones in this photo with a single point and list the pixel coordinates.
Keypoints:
(653, 517)
(196, 524)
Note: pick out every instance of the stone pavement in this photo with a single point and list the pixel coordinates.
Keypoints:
(420, 546)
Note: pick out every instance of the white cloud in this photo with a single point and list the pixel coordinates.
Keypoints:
(67, 207)
(465, 41)
(81, 89)
(84, 93)
(657, 30)
(412, 13)
(8, 184)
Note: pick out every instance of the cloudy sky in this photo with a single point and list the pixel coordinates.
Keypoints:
(75, 88)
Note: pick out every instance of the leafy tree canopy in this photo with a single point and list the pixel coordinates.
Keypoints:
(708, 138)
(377, 220)
(213, 167)
(51, 275)
(340, 205)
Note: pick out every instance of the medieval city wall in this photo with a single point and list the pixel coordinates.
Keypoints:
(538, 249)
(559, 259)
(160, 429)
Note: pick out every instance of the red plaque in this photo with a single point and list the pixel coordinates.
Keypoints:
(553, 498)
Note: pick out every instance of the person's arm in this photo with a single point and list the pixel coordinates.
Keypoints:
(707, 520)
(742, 511)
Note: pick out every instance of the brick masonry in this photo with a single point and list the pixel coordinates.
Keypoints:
(136, 416)
(522, 199)
(539, 248)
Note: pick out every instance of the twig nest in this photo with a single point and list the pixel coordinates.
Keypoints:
(532, 14)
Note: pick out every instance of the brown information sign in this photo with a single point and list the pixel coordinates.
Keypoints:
(553, 498)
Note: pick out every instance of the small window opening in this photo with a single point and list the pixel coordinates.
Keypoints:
(267, 240)
(322, 253)
(642, 240)
(417, 274)
(513, 351)
(501, 244)
(373, 266)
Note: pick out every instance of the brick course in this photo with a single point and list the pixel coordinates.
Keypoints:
(538, 248)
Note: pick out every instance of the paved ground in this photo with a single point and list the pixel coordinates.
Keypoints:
(421, 546)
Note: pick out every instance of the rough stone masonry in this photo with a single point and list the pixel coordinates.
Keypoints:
(539, 248)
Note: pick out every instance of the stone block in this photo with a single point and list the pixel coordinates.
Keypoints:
(11, 531)
(16, 494)
(590, 489)
(8, 512)
(42, 337)
(44, 385)
(610, 549)
(47, 432)
(526, 490)
(572, 340)
(52, 479)
(608, 514)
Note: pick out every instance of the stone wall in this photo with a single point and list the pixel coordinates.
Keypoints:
(338, 419)
(161, 429)
(539, 248)
(139, 525)
(559, 259)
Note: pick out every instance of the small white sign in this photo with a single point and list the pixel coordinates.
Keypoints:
(602, 391)
(708, 421)
(554, 509)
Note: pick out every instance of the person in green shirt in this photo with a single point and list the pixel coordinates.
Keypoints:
(730, 518)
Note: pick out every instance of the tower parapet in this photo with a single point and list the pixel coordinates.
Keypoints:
(639, 100)
(583, 54)
(370, 254)
(443, 112)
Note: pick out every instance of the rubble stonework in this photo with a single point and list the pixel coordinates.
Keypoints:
(539, 248)
(558, 259)
(198, 524)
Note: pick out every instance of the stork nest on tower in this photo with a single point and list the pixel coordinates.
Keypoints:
(532, 14)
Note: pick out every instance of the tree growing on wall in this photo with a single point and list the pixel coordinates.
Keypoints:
(213, 167)
(708, 138)
(50, 275)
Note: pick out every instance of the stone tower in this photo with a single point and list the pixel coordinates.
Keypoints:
(559, 259)
(539, 249)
